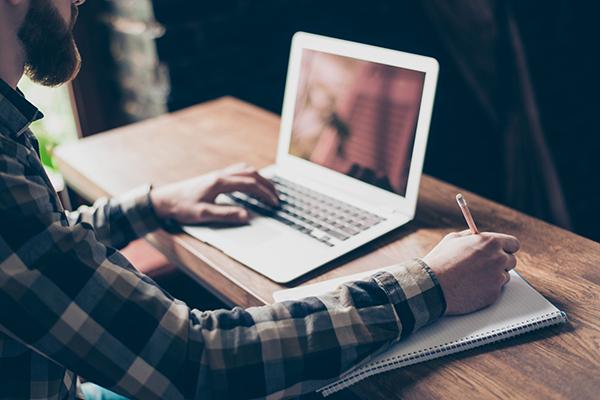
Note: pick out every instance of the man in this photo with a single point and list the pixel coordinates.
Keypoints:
(71, 305)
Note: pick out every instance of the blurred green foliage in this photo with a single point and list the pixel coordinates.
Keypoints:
(58, 125)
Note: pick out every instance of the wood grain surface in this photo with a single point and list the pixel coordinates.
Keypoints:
(561, 362)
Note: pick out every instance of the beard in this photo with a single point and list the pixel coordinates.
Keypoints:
(51, 55)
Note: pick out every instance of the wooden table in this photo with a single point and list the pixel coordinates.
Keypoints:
(559, 362)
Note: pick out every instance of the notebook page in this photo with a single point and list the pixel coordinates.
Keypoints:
(519, 305)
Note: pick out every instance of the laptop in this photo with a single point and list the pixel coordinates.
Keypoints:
(352, 141)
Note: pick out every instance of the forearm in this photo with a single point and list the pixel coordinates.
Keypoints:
(118, 221)
(296, 347)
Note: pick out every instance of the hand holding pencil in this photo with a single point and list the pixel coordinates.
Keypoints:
(472, 267)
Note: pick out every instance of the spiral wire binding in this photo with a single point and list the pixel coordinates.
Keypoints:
(441, 350)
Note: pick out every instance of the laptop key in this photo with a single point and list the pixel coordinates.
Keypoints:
(309, 212)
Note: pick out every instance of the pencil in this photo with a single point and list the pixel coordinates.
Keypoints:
(462, 203)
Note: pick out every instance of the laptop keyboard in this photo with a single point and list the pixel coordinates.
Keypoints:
(321, 217)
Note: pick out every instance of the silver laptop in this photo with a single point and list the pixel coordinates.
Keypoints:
(353, 135)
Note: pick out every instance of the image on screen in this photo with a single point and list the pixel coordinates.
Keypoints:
(357, 117)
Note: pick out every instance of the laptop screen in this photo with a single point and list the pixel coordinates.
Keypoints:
(357, 117)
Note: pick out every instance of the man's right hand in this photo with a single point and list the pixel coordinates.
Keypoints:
(472, 269)
(192, 201)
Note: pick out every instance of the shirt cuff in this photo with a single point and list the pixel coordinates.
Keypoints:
(415, 293)
(137, 207)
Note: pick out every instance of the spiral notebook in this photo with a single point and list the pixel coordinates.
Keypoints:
(520, 309)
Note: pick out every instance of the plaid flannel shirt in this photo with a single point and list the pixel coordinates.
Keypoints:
(71, 305)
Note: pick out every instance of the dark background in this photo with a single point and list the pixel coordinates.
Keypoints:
(515, 117)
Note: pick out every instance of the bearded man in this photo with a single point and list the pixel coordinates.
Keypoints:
(71, 306)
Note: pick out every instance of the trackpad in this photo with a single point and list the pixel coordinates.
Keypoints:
(258, 231)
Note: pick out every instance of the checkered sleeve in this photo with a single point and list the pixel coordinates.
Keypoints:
(117, 221)
(81, 305)
(295, 347)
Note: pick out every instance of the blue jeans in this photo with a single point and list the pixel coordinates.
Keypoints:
(92, 391)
